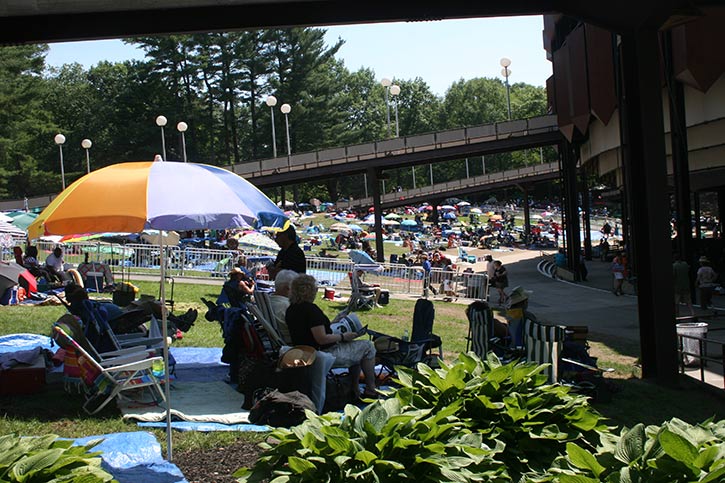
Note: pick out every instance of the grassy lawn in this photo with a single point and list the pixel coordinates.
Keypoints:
(55, 411)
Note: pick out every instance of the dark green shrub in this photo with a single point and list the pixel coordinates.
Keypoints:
(380, 443)
(47, 458)
(672, 453)
(509, 405)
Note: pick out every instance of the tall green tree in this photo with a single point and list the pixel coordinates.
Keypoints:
(24, 123)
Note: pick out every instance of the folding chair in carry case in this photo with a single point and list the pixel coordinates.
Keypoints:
(394, 351)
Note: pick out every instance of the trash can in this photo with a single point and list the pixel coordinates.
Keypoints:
(692, 346)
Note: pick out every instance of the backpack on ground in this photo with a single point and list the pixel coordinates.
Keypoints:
(280, 409)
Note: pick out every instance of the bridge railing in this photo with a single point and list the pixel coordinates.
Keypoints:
(400, 145)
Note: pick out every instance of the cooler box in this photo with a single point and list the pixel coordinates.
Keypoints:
(384, 297)
(23, 379)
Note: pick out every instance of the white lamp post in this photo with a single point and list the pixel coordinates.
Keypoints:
(271, 102)
(395, 91)
(59, 140)
(286, 108)
(386, 83)
(506, 72)
(86, 144)
(182, 127)
(161, 122)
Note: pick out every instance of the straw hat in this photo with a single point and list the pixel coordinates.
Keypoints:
(518, 295)
(235, 271)
(298, 356)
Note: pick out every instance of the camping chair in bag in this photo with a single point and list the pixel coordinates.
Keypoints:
(394, 351)
(103, 384)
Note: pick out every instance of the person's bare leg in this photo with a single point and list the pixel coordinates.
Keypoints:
(368, 368)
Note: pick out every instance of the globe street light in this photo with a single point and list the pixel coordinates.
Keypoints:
(395, 91)
(59, 140)
(161, 122)
(182, 127)
(506, 72)
(286, 108)
(386, 83)
(271, 102)
(86, 144)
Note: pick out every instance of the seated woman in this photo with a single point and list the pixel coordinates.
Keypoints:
(239, 288)
(308, 325)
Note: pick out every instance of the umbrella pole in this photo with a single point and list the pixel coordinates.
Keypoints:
(165, 334)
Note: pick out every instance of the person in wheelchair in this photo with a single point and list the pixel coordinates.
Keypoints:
(308, 325)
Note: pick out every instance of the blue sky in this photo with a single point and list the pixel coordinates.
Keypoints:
(439, 52)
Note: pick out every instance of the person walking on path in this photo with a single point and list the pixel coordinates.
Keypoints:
(705, 281)
(426, 276)
(500, 281)
(618, 274)
(681, 276)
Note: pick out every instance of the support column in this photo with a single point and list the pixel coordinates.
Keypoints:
(571, 207)
(527, 215)
(643, 144)
(586, 209)
(378, 215)
(680, 161)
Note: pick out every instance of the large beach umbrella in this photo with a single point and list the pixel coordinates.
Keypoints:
(23, 220)
(132, 197)
(258, 240)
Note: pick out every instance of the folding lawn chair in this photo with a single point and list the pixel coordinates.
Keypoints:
(544, 345)
(479, 321)
(359, 297)
(394, 351)
(103, 384)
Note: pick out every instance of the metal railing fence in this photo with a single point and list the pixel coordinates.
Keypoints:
(199, 263)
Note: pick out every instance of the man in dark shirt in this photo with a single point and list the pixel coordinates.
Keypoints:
(290, 256)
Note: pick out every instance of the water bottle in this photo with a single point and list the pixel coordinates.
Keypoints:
(157, 367)
(405, 335)
(13, 296)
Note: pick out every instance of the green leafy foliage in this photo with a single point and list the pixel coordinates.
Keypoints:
(46, 458)
(673, 452)
(381, 443)
(510, 405)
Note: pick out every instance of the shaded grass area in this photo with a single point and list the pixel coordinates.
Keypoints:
(55, 411)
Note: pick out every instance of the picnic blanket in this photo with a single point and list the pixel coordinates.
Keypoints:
(207, 402)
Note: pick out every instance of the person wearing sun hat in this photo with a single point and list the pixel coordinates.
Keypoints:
(290, 255)
(705, 281)
(239, 288)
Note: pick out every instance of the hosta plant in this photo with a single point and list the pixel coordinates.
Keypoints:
(380, 443)
(672, 453)
(49, 459)
(509, 405)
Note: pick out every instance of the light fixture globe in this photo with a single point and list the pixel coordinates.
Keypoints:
(271, 101)
(59, 139)
(505, 72)
(161, 121)
(386, 82)
(86, 144)
(285, 108)
(182, 126)
(505, 62)
(394, 90)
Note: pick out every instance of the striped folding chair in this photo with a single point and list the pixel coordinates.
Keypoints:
(103, 384)
(543, 345)
(479, 315)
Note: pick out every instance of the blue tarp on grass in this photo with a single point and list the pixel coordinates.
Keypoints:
(135, 458)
